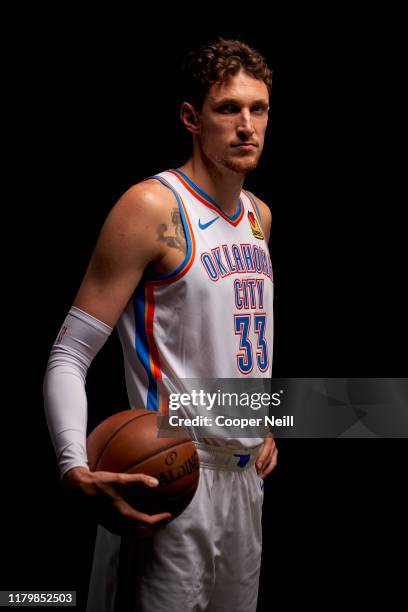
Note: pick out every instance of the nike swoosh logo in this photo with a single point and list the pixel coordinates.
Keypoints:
(205, 225)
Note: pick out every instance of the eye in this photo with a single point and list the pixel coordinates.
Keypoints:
(259, 109)
(228, 108)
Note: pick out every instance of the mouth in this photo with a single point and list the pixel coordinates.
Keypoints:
(244, 145)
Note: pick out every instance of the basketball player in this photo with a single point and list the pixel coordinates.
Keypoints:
(182, 268)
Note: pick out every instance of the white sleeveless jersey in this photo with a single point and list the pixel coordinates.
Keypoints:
(210, 318)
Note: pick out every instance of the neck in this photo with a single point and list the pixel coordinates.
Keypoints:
(222, 185)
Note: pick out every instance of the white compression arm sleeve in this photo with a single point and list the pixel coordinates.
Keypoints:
(79, 340)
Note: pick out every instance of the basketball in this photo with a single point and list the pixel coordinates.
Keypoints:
(128, 442)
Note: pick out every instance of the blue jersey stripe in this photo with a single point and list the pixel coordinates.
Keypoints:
(142, 346)
(207, 197)
(186, 231)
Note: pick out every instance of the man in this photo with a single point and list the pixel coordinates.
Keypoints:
(182, 268)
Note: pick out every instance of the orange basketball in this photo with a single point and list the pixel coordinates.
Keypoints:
(128, 442)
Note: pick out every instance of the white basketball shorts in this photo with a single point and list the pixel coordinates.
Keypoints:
(207, 559)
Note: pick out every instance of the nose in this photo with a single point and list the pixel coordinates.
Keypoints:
(245, 128)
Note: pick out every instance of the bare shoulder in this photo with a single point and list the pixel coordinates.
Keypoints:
(266, 215)
(144, 224)
(129, 241)
(130, 230)
(148, 199)
(135, 217)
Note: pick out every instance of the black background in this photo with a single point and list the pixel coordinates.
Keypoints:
(91, 110)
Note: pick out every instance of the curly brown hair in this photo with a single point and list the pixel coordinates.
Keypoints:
(212, 62)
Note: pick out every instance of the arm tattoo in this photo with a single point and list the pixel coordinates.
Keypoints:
(178, 239)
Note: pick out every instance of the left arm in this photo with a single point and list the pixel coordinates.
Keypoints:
(268, 455)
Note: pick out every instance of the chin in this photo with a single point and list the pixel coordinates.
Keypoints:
(241, 166)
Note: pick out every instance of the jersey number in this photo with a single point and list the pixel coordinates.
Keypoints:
(245, 358)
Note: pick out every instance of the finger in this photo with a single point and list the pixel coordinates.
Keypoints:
(262, 456)
(271, 460)
(155, 519)
(270, 465)
(147, 532)
(121, 518)
(264, 467)
(132, 514)
(264, 452)
(144, 479)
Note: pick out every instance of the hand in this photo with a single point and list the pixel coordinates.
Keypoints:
(267, 458)
(103, 494)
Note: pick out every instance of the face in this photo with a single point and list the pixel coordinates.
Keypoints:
(232, 122)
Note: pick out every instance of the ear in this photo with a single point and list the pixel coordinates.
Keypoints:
(190, 117)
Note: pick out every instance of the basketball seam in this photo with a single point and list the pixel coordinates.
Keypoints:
(158, 453)
(138, 416)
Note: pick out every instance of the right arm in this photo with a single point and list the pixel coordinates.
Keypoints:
(126, 245)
